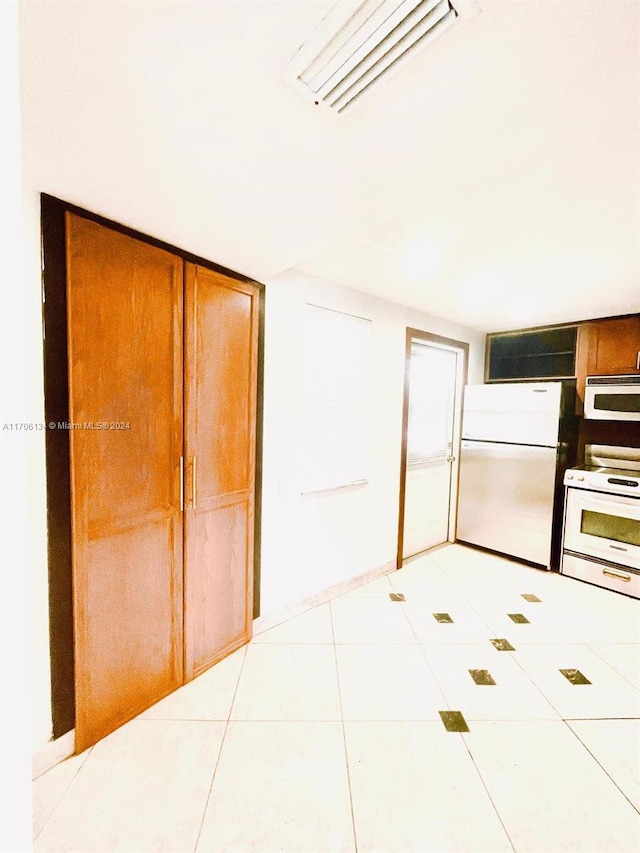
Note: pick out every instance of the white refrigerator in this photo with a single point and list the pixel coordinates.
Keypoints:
(517, 440)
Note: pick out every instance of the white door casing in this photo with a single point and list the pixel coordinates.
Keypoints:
(433, 436)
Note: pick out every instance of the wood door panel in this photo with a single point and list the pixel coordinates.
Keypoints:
(125, 357)
(220, 344)
(117, 380)
(220, 411)
(131, 625)
(216, 615)
(618, 346)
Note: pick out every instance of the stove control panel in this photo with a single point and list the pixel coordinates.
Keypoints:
(602, 480)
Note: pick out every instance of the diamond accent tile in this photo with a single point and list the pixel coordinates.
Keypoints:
(502, 645)
(574, 676)
(481, 676)
(453, 721)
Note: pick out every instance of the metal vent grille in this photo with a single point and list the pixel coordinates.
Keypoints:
(358, 43)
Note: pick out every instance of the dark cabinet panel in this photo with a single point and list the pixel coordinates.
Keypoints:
(538, 354)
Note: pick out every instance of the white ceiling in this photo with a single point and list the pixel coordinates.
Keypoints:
(494, 182)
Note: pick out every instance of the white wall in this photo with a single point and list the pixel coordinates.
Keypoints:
(312, 542)
(17, 554)
(24, 502)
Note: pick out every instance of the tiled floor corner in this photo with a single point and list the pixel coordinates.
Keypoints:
(325, 732)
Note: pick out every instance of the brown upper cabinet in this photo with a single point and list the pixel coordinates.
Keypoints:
(614, 346)
(591, 348)
(607, 348)
(162, 370)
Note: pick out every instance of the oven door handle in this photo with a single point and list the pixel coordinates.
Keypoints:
(620, 576)
(605, 499)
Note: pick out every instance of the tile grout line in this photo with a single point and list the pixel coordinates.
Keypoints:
(602, 767)
(474, 601)
(224, 737)
(64, 793)
(464, 739)
(344, 735)
(464, 598)
(424, 655)
(470, 601)
(484, 785)
(421, 645)
(514, 656)
(537, 687)
(577, 641)
(556, 620)
(610, 665)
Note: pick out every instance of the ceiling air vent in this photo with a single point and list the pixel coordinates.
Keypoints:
(360, 41)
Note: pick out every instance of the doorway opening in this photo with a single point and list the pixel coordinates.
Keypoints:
(435, 375)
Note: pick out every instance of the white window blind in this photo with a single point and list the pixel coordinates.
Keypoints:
(335, 395)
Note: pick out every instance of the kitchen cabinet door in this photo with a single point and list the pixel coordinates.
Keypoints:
(125, 428)
(535, 354)
(616, 346)
(221, 328)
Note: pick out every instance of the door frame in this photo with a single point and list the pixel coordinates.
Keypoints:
(462, 347)
(57, 457)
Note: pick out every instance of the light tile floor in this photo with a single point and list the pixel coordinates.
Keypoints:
(324, 733)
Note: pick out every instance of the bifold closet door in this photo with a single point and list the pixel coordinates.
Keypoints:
(221, 338)
(125, 302)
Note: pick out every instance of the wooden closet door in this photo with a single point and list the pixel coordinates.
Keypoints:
(125, 400)
(221, 337)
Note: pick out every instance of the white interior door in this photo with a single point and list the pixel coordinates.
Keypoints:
(434, 398)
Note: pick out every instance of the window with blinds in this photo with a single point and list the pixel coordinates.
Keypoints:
(335, 399)
(431, 401)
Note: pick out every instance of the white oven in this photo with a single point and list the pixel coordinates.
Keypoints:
(603, 526)
(601, 537)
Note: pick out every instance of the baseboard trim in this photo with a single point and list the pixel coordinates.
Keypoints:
(270, 620)
(53, 753)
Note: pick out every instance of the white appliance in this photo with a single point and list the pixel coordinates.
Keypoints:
(515, 442)
(612, 398)
(601, 541)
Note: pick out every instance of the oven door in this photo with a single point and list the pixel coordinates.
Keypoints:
(603, 526)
